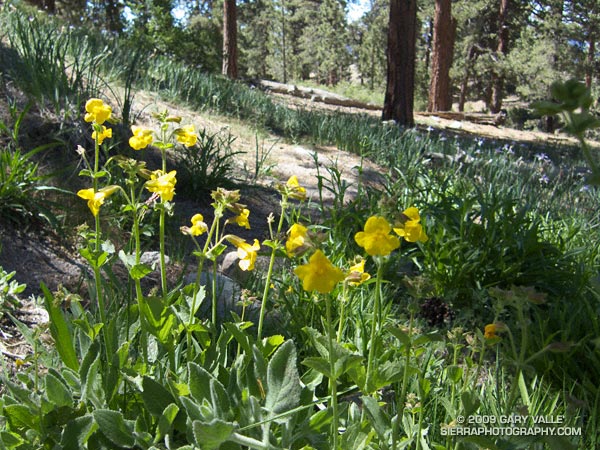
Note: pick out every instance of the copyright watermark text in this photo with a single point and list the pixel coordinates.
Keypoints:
(510, 425)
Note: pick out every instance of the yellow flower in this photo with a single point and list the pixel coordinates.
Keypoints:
(376, 239)
(357, 274)
(96, 199)
(245, 252)
(97, 111)
(490, 331)
(294, 189)
(186, 135)
(319, 274)
(163, 184)
(142, 138)
(242, 218)
(198, 225)
(296, 238)
(105, 133)
(410, 228)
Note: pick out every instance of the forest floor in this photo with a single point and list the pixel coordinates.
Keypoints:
(39, 255)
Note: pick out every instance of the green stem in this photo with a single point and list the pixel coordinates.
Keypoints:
(138, 285)
(214, 293)
(97, 275)
(521, 358)
(401, 399)
(374, 325)
(342, 312)
(261, 316)
(333, 377)
(163, 269)
(248, 442)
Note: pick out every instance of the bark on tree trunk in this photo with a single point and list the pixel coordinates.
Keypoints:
(440, 94)
(399, 94)
(501, 51)
(113, 16)
(230, 39)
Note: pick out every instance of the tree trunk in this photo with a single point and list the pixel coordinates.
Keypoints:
(230, 39)
(590, 60)
(399, 94)
(440, 94)
(113, 16)
(501, 51)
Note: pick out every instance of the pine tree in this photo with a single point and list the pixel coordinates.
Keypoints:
(399, 94)
(440, 94)
(254, 37)
(370, 39)
(230, 68)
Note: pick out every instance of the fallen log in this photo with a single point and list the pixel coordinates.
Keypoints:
(315, 95)
(478, 118)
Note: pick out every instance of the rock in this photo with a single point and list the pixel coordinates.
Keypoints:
(152, 259)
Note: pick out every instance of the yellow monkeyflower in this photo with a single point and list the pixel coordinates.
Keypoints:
(105, 133)
(96, 199)
(246, 253)
(357, 274)
(319, 274)
(198, 226)
(186, 135)
(242, 218)
(142, 138)
(163, 184)
(97, 111)
(410, 227)
(376, 238)
(294, 189)
(490, 331)
(296, 238)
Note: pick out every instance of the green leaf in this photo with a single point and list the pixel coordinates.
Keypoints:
(77, 432)
(215, 252)
(199, 382)
(283, 381)
(242, 337)
(155, 396)
(219, 398)
(165, 422)
(319, 364)
(57, 391)
(10, 440)
(92, 389)
(470, 403)
(20, 417)
(60, 331)
(210, 435)
(139, 271)
(96, 259)
(378, 419)
(454, 373)
(271, 343)
(113, 426)
(128, 259)
(356, 437)
(403, 337)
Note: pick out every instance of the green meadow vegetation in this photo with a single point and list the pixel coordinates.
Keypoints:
(457, 307)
